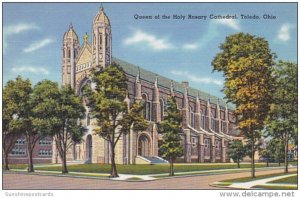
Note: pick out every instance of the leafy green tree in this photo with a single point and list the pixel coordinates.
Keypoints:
(267, 153)
(236, 151)
(246, 62)
(283, 120)
(171, 127)
(114, 116)
(277, 149)
(58, 113)
(22, 116)
(16, 94)
(274, 151)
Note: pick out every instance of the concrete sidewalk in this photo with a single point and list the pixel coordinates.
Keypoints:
(248, 185)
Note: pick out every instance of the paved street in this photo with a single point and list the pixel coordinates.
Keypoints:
(24, 181)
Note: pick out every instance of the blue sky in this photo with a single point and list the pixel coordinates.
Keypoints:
(179, 49)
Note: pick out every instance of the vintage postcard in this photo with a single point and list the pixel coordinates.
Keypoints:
(158, 96)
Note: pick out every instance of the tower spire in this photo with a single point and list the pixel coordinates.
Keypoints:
(156, 81)
(137, 78)
(101, 40)
(101, 8)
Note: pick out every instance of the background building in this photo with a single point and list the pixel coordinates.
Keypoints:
(42, 152)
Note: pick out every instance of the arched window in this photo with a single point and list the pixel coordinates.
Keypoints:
(217, 144)
(146, 111)
(106, 40)
(192, 118)
(213, 120)
(202, 119)
(162, 108)
(69, 53)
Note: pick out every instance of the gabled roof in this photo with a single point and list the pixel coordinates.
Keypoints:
(149, 76)
(85, 48)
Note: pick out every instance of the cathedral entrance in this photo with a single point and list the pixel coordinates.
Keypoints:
(144, 146)
(89, 148)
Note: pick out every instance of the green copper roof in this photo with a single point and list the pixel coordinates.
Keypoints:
(166, 82)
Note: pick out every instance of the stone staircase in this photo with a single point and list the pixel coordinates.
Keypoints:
(156, 160)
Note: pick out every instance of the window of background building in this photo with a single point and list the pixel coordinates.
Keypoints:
(45, 152)
(217, 144)
(20, 141)
(19, 151)
(44, 141)
(206, 143)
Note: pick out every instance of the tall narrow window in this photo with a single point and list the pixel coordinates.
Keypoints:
(162, 108)
(106, 40)
(147, 107)
(202, 119)
(192, 118)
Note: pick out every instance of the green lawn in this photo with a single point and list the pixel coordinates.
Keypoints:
(17, 166)
(142, 169)
(247, 179)
(287, 180)
(275, 187)
(294, 163)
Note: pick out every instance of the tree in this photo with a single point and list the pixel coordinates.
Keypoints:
(171, 127)
(266, 153)
(114, 116)
(58, 113)
(273, 151)
(277, 150)
(22, 116)
(246, 62)
(283, 120)
(16, 94)
(236, 151)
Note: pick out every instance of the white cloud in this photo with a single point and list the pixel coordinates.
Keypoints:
(30, 69)
(19, 28)
(198, 79)
(190, 46)
(16, 29)
(37, 45)
(232, 23)
(211, 33)
(284, 32)
(148, 39)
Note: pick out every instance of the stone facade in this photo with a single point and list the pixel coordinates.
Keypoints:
(208, 123)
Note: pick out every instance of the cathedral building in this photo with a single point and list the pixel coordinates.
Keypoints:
(208, 123)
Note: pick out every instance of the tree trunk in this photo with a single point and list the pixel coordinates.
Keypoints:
(64, 164)
(30, 160)
(6, 161)
(252, 160)
(113, 170)
(171, 173)
(30, 163)
(238, 162)
(267, 163)
(286, 144)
